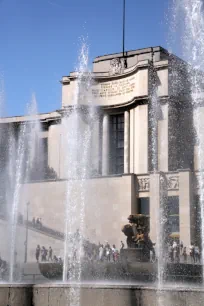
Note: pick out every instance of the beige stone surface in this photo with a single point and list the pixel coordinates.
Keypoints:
(20, 296)
(163, 139)
(15, 295)
(163, 82)
(41, 296)
(34, 238)
(46, 202)
(62, 296)
(111, 91)
(122, 90)
(196, 158)
(106, 145)
(140, 147)
(68, 93)
(96, 145)
(198, 150)
(107, 205)
(106, 296)
(109, 200)
(102, 63)
(54, 147)
(127, 142)
(132, 133)
(44, 117)
(186, 208)
(118, 89)
(4, 295)
(154, 205)
(101, 66)
(149, 298)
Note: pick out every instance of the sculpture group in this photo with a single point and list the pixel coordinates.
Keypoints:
(137, 232)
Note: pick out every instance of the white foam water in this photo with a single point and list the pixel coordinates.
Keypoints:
(77, 138)
(189, 16)
(22, 153)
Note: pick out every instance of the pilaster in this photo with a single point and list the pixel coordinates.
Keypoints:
(106, 145)
(186, 211)
(154, 205)
(127, 142)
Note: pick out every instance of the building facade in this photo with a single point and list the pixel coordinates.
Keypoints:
(124, 178)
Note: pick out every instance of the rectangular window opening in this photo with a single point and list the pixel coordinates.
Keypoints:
(117, 144)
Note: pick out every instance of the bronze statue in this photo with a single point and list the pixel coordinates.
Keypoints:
(137, 232)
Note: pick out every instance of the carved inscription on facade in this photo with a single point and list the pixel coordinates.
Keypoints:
(115, 88)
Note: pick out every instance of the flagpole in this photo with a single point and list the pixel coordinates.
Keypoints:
(124, 7)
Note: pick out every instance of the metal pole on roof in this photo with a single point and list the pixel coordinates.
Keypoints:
(124, 7)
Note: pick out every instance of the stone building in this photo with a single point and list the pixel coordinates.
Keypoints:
(122, 155)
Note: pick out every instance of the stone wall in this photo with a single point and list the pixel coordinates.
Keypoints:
(16, 295)
(34, 238)
(109, 295)
(108, 202)
(97, 295)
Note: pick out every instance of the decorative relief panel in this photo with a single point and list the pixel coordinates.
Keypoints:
(116, 66)
(172, 182)
(144, 183)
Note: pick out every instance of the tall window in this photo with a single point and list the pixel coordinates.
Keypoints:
(198, 229)
(44, 144)
(117, 144)
(173, 214)
(143, 206)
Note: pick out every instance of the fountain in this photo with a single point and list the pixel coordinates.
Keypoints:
(140, 274)
(24, 159)
(192, 46)
(77, 127)
(158, 179)
(135, 260)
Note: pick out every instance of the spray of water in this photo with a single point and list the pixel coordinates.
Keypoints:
(25, 155)
(16, 196)
(77, 127)
(191, 37)
(154, 113)
(153, 117)
(34, 149)
(10, 166)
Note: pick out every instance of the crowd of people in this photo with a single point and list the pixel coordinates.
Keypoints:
(177, 252)
(91, 252)
(101, 252)
(42, 254)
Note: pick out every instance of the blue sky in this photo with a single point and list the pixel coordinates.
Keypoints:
(40, 40)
